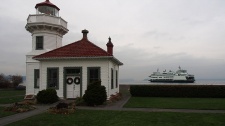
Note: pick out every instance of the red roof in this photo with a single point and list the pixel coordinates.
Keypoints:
(82, 48)
(46, 3)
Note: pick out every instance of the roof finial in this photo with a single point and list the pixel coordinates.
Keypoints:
(47, 1)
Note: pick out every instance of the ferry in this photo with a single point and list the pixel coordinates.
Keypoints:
(180, 76)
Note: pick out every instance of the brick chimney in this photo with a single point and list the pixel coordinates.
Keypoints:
(109, 47)
(85, 32)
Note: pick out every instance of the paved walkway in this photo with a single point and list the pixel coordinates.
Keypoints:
(16, 117)
(113, 106)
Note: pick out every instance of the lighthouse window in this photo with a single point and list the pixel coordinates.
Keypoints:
(39, 42)
(47, 10)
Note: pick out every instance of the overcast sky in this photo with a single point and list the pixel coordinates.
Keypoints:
(147, 34)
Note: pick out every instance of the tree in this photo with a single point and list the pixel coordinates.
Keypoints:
(16, 80)
(4, 82)
(2, 78)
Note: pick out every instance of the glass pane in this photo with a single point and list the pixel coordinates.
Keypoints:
(36, 78)
(73, 71)
(39, 42)
(48, 10)
(94, 74)
(53, 77)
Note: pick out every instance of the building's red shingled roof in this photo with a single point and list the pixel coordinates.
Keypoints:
(82, 48)
(46, 3)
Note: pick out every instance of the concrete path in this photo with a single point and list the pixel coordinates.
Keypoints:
(113, 106)
(16, 117)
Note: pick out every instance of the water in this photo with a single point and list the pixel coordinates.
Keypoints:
(197, 82)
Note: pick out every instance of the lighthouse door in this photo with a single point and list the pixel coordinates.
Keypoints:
(73, 82)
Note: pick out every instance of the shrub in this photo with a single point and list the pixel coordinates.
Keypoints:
(47, 96)
(19, 107)
(79, 101)
(95, 94)
(62, 105)
(195, 91)
(63, 108)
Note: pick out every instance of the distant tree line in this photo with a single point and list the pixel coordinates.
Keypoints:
(10, 81)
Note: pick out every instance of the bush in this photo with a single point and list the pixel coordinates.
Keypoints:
(62, 105)
(95, 94)
(47, 96)
(194, 91)
(63, 108)
(79, 101)
(19, 107)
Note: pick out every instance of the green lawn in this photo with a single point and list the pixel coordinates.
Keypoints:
(4, 113)
(123, 118)
(11, 92)
(8, 100)
(176, 103)
(8, 96)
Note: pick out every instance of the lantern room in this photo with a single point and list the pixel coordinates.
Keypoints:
(47, 8)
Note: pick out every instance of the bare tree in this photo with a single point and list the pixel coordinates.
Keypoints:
(4, 82)
(16, 80)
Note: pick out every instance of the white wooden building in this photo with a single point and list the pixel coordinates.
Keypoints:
(68, 69)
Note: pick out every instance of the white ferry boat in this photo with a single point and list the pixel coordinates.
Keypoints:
(180, 76)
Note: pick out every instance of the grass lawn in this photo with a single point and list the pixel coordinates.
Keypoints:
(4, 113)
(123, 118)
(8, 100)
(8, 96)
(176, 103)
(11, 92)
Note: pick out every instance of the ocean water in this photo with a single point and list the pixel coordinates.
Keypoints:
(197, 82)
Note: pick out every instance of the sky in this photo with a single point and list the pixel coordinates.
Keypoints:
(147, 34)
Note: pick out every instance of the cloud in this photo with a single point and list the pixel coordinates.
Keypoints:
(139, 64)
(15, 43)
(146, 34)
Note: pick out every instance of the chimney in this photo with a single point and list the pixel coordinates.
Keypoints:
(109, 47)
(85, 32)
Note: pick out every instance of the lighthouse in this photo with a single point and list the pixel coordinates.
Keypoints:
(47, 30)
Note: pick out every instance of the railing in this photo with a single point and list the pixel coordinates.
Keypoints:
(40, 18)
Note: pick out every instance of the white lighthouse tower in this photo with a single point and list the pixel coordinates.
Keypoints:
(47, 30)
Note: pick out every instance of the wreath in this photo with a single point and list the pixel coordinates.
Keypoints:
(77, 80)
(69, 80)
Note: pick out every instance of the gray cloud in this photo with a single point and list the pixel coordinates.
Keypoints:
(146, 34)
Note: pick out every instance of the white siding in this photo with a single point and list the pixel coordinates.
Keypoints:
(30, 78)
(114, 67)
(51, 40)
(84, 64)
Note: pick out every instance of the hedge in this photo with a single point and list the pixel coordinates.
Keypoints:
(192, 91)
